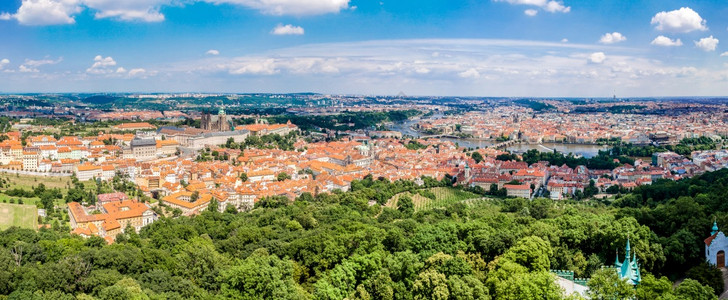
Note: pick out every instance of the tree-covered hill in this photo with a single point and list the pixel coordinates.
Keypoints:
(337, 246)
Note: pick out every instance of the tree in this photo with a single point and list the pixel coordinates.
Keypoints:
(652, 288)
(195, 195)
(46, 200)
(477, 156)
(261, 276)
(405, 206)
(539, 207)
(692, 289)
(605, 284)
(244, 176)
(707, 275)
(283, 176)
(199, 262)
(431, 284)
(214, 205)
(531, 252)
(126, 288)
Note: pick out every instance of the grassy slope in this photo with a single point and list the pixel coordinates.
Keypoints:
(444, 196)
(28, 182)
(25, 216)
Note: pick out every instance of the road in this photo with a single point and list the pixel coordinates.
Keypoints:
(44, 174)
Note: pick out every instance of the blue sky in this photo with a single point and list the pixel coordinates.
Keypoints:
(533, 48)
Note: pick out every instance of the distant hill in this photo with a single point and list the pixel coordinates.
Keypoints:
(99, 99)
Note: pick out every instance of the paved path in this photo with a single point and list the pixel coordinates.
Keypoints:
(724, 295)
(44, 174)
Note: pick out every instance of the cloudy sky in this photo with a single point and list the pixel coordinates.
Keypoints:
(550, 48)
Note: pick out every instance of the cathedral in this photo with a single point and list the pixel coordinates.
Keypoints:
(219, 122)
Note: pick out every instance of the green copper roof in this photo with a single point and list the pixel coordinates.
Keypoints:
(715, 228)
(629, 269)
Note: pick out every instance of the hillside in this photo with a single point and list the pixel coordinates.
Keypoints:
(336, 246)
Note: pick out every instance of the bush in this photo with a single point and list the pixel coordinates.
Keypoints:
(707, 275)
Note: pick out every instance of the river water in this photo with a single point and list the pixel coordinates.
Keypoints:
(587, 151)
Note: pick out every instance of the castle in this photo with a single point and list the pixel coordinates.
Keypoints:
(220, 122)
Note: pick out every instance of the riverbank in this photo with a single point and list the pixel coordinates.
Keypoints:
(585, 150)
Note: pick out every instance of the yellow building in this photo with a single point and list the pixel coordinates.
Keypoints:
(113, 218)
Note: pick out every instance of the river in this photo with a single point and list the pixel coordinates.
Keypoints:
(587, 151)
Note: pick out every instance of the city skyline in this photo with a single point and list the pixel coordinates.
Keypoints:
(460, 48)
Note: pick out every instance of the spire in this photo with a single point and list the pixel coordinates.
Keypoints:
(616, 259)
(628, 248)
(715, 228)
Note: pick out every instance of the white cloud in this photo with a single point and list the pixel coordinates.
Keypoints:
(31, 65)
(530, 12)
(547, 5)
(54, 12)
(4, 62)
(462, 67)
(564, 40)
(682, 20)
(287, 30)
(553, 6)
(666, 42)
(505, 68)
(212, 52)
(724, 53)
(469, 73)
(102, 65)
(611, 38)
(597, 57)
(254, 66)
(707, 44)
(137, 72)
(45, 12)
(107, 68)
(290, 7)
(24, 69)
(422, 70)
(129, 10)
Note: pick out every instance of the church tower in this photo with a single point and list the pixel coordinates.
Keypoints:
(629, 268)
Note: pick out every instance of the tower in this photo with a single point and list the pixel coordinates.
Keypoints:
(467, 172)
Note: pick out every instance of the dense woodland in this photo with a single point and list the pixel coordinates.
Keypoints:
(336, 246)
(344, 121)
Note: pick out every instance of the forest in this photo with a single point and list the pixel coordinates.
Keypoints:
(344, 121)
(604, 160)
(338, 246)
